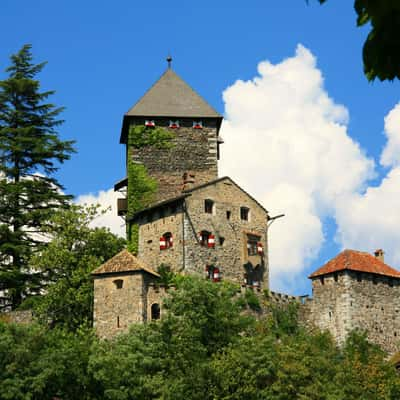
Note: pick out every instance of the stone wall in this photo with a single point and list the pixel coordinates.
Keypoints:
(17, 317)
(151, 228)
(231, 255)
(115, 309)
(194, 150)
(350, 300)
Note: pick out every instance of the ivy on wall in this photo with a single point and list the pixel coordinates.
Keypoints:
(141, 187)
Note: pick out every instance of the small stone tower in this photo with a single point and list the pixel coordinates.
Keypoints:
(173, 105)
(356, 290)
(122, 294)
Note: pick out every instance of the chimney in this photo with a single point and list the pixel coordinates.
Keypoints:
(188, 181)
(379, 254)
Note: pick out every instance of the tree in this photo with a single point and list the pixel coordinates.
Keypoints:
(30, 151)
(381, 51)
(37, 363)
(66, 264)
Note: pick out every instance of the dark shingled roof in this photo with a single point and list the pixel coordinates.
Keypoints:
(170, 96)
(356, 261)
(124, 261)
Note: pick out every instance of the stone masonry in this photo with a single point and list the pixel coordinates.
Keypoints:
(186, 218)
(193, 150)
(364, 297)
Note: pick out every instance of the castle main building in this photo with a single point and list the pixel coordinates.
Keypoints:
(203, 225)
(199, 224)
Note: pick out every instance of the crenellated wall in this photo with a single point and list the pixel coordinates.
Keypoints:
(351, 300)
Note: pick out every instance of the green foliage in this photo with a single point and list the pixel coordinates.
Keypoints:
(285, 319)
(381, 51)
(252, 300)
(66, 264)
(203, 348)
(167, 277)
(141, 187)
(41, 364)
(141, 136)
(30, 152)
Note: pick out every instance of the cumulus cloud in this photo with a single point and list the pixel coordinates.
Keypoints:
(108, 201)
(286, 142)
(391, 153)
(371, 220)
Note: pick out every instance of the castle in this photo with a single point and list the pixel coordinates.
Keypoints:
(205, 225)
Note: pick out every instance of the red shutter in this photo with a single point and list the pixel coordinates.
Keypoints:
(216, 275)
(211, 241)
(163, 244)
(171, 241)
(260, 249)
(150, 123)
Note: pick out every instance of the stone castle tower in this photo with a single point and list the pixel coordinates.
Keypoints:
(173, 105)
(199, 224)
(356, 290)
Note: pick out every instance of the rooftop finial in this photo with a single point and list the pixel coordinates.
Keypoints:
(169, 61)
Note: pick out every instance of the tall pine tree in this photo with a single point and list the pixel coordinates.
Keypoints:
(30, 153)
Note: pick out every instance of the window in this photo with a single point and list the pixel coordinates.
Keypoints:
(174, 124)
(244, 213)
(359, 277)
(253, 242)
(155, 311)
(228, 215)
(213, 273)
(206, 239)
(118, 325)
(166, 241)
(335, 276)
(197, 124)
(322, 280)
(221, 241)
(118, 283)
(208, 206)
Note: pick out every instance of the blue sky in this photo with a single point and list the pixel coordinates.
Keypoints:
(102, 56)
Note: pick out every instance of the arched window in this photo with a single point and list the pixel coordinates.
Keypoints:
(118, 283)
(155, 311)
(166, 241)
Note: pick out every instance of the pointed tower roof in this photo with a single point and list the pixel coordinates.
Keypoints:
(356, 261)
(170, 96)
(124, 261)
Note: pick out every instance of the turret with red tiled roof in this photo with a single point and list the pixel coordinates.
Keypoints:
(357, 261)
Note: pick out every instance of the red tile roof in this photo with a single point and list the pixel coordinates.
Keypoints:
(356, 261)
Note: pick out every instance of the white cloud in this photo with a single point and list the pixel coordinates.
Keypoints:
(391, 153)
(294, 154)
(371, 220)
(107, 200)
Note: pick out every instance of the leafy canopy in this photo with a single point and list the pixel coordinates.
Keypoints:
(381, 51)
(66, 263)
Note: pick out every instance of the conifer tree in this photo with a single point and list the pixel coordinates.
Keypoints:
(30, 153)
